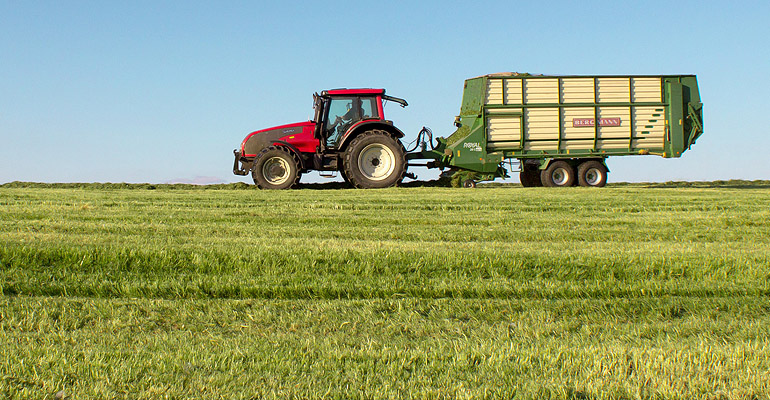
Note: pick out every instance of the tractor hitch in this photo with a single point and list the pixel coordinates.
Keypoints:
(238, 169)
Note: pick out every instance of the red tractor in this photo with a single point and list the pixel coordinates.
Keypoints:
(349, 134)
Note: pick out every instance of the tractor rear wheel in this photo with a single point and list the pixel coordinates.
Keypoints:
(374, 159)
(592, 174)
(344, 176)
(558, 174)
(275, 167)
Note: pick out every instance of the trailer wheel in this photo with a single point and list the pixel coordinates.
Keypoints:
(530, 177)
(592, 173)
(275, 167)
(469, 183)
(374, 159)
(558, 174)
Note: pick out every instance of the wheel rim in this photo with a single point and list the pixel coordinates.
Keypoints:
(593, 176)
(560, 176)
(276, 170)
(376, 162)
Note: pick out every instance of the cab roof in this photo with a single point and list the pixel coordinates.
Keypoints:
(334, 92)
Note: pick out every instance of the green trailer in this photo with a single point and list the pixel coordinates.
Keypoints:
(561, 129)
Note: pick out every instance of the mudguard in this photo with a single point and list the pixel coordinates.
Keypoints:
(369, 125)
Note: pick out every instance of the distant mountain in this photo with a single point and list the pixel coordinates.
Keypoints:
(198, 180)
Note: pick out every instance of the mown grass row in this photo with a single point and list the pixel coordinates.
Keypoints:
(600, 271)
(669, 347)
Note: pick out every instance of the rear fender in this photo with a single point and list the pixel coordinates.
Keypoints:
(363, 126)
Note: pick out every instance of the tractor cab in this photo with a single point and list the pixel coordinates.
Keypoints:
(339, 111)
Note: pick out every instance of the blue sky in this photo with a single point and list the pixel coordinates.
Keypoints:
(155, 91)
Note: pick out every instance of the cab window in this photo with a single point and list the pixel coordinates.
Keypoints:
(369, 108)
(344, 112)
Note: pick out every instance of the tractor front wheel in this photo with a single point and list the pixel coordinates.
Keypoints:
(374, 159)
(275, 167)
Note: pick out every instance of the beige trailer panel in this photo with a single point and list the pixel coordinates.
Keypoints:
(574, 90)
(642, 126)
(577, 90)
(541, 123)
(504, 129)
(541, 91)
(578, 144)
(545, 145)
(649, 127)
(564, 113)
(513, 91)
(646, 90)
(495, 91)
(613, 90)
(570, 132)
(615, 132)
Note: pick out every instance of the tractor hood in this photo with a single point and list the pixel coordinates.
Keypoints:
(257, 140)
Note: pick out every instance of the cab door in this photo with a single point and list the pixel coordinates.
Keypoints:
(344, 113)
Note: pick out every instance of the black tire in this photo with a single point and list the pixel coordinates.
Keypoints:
(558, 174)
(530, 177)
(374, 159)
(275, 167)
(469, 183)
(592, 174)
(344, 176)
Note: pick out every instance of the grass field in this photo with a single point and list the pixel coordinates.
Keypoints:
(140, 291)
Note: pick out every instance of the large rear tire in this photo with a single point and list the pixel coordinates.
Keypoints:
(374, 159)
(592, 174)
(275, 167)
(558, 174)
(344, 176)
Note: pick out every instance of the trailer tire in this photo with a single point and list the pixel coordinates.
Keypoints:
(275, 167)
(592, 174)
(469, 183)
(558, 174)
(374, 159)
(530, 177)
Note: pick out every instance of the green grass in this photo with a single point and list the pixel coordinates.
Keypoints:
(172, 291)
